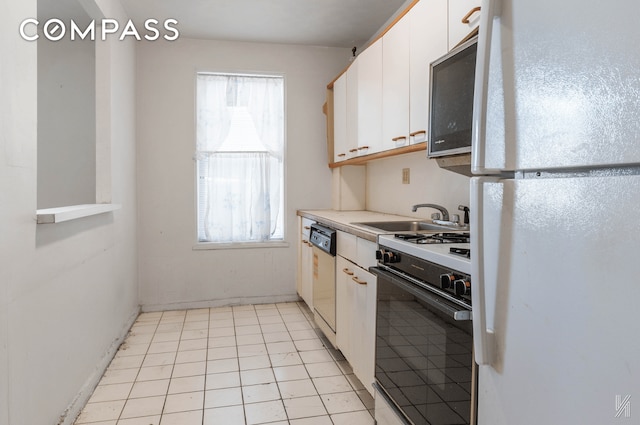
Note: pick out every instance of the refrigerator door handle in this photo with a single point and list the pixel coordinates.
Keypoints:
(490, 9)
(483, 336)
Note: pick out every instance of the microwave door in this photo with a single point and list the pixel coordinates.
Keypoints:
(452, 82)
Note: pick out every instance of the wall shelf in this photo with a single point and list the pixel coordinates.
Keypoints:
(61, 214)
(361, 160)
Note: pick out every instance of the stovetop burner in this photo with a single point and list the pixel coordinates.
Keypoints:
(421, 238)
(464, 252)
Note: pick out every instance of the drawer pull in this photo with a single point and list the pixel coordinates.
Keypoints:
(396, 139)
(342, 154)
(465, 20)
(363, 147)
(353, 150)
(358, 281)
(415, 133)
(303, 241)
(307, 227)
(347, 271)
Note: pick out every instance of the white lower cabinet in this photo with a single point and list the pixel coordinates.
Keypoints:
(305, 263)
(355, 318)
(344, 300)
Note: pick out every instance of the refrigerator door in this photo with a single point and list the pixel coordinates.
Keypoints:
(560, 286)
(557, 85)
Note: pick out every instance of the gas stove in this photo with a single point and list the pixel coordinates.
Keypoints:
(447, 249)
(426, 238)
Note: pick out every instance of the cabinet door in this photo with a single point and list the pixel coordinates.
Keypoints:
(459, 9)
(305, 262)
(352, 109)
(306, 273)
(369, 334)
(344, 305)
(428, 42)
(340, 119)
(395, 85)
(370, 99)
(364, 324)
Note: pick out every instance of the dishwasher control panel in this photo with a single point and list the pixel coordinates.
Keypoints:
(324, 238)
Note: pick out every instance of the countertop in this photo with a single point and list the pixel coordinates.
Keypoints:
(343, 220)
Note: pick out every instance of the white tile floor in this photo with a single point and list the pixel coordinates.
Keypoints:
(231, 365)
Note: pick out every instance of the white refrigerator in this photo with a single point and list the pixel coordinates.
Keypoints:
(555, 210)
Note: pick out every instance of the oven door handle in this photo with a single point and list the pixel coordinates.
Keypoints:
(425, 296)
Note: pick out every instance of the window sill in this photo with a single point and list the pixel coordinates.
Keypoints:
(239, 245)
(61, 214)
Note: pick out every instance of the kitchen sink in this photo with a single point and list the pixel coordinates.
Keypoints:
(409, 226)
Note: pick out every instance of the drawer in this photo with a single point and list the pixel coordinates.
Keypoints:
(347, 246)
(366, 253)
(306, 227)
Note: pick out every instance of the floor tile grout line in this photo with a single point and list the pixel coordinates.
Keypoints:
(139, 369)
(235, 337)
(297, 310)
(206, 359)
(170, 376)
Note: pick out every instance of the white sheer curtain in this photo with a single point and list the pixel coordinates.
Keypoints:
(240, 150)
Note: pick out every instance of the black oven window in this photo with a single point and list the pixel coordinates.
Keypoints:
(423, 359)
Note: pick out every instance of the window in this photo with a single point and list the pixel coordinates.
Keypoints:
(240, 158)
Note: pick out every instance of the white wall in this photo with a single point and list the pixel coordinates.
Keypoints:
(66, 123)
(172, 274)
(67, 291)
(428, 184)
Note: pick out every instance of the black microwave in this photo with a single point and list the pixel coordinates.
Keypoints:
(452, 79)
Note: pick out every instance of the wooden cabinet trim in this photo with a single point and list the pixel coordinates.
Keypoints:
(379, 155)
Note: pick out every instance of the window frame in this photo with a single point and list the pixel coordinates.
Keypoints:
(207, 245)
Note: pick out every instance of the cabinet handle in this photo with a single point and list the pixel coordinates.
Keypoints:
(358, 281)
(303, 241)
(342, 154)
(363, 147)
(465, 20)
(353, 150)
(307, 227)
(415, 133)
(310, 244)
(347, 271)
(395, 139)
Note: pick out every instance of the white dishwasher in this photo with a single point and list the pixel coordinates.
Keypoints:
(323, 240)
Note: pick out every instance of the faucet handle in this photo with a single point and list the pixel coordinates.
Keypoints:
(435, 216)
(466, 213)
(455, 218)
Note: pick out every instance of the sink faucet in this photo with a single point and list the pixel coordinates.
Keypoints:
(443, 210)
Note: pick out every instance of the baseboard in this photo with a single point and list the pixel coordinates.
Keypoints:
(221, 303)
(73, 410)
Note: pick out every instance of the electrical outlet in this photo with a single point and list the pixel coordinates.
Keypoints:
(406, 175)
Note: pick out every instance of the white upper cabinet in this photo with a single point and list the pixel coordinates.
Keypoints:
(382, 101)
(428, 41)
(395, 85)
(370, 99)
(459, 9)
(345, 114)
(352, 110)
(340, 118)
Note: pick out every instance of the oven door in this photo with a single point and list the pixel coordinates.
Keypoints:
(424, 359)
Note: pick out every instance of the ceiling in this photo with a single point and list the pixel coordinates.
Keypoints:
(332, 23)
